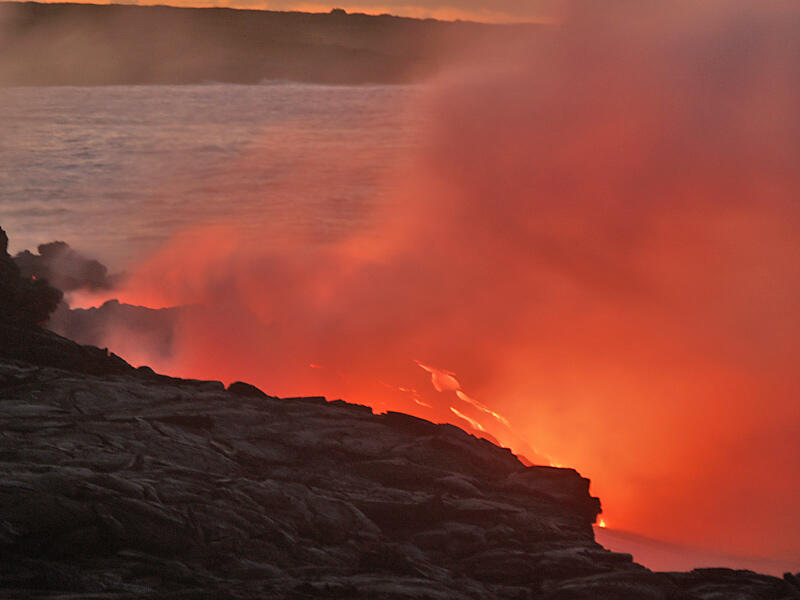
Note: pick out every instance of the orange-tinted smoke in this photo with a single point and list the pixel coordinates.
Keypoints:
(601, 242)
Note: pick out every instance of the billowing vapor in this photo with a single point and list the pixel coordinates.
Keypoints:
(65, 268)
(599, 250)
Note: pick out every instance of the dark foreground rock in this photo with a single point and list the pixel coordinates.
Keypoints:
(27, 300)
(24, 301)
(133, 486)
(119, 483)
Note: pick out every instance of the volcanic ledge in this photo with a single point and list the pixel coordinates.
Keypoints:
(133, 485)
(130, 484)
(118, 483)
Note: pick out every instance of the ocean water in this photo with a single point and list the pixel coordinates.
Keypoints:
(115, 171)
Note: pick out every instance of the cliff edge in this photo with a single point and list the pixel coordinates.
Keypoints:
(118, 483)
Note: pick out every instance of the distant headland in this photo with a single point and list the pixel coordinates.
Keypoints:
(88, 44)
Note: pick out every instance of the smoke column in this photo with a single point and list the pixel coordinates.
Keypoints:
(600, 244)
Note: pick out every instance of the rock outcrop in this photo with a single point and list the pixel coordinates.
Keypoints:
(26, 301)
(23, 300)
(132, 485)
(150, 331)
(118, 483)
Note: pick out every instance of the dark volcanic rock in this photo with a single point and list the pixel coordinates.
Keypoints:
(40, 347)
(240, 388)
(24, 301)
(131, 485)
(126, 485)
(118, 483)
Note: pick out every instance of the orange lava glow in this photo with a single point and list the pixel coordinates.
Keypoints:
(472, 422)
(601, 240)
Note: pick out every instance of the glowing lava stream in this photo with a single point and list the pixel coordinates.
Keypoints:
(446, 381)
(443, 381)
(473, 423)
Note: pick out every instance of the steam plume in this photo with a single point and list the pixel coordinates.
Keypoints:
(65, 268)
(601, 244)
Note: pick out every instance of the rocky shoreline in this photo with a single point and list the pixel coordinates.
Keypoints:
(118, 483)
(132, 485)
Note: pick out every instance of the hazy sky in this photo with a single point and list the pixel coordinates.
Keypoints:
(479, 10)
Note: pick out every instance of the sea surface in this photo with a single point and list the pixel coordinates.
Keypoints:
(115, 171)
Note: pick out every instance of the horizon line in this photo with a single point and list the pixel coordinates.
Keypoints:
(309, 9)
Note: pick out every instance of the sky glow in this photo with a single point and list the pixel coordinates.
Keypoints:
(501, 11)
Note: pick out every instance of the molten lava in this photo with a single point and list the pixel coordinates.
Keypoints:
(472, 422)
